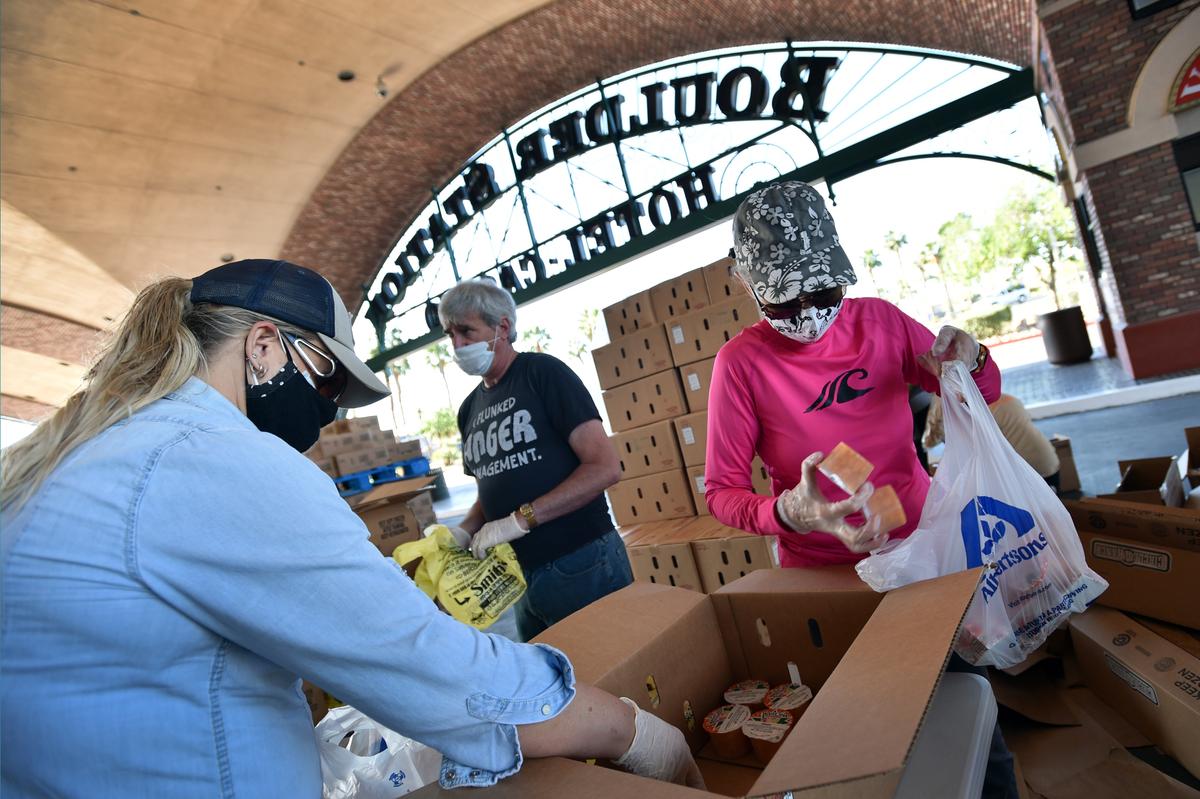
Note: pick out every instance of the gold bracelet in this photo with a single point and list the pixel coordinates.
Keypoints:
(981, 360)
(526, 511)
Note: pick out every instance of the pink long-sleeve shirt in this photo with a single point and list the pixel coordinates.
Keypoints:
(784, 400)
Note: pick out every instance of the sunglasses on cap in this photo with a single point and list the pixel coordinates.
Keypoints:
(327, 378)
(793, 308)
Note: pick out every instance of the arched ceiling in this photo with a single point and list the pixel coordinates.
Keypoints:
(151, 138)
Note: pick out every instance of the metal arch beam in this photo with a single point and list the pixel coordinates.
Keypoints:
(844, 163)
(995, 159)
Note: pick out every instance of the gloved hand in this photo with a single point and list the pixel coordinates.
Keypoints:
(500, 531)
(951, 344)
(659, 751)
(804, 509)
(461, 536)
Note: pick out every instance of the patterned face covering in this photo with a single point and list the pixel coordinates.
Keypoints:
(808, 325)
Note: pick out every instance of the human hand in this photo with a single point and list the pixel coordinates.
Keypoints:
(951, 344)
(659, 751)
(500, 531)
(805, 508)
(461, 536)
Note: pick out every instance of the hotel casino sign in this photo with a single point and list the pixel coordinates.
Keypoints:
(793, 96)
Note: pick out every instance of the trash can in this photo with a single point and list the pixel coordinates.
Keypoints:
(1065, 336)
(440, 491)
(950, 755)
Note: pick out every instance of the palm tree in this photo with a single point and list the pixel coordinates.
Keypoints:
(536, 339)
(438, 356)
(931, 255)
(589, 321)
(895, 242)
(871, 262)
(394, 371)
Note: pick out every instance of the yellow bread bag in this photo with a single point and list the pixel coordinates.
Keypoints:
(473, 591)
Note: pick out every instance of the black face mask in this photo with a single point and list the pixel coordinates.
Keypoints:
(288, 407)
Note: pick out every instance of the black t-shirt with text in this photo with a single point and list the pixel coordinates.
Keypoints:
(514, 438)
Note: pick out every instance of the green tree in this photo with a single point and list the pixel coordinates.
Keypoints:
(589, 322)
(536, 339)
(442, 426)
(438, 356)
(962, 255)
(1035, 229)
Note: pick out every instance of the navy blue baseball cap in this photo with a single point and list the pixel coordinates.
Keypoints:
(291, 293)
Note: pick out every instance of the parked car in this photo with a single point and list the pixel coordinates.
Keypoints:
(1013, 295)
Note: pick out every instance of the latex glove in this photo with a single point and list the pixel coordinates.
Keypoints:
(804, 509)
(659, 751)
(491, 534)
(461, 536)
(951, 344)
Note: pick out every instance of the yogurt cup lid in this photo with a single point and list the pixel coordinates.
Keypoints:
(727, 718)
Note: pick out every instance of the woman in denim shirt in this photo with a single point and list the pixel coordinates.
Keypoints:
(170, 568)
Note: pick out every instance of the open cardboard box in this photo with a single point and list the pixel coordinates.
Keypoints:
(1154, 481)
(873, 660)
(396, 512)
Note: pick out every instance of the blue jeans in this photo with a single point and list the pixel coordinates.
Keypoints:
(561, 587)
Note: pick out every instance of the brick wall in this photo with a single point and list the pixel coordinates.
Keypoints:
(427, 131)
(1098, 50)
(1148, 251)
(23, 329)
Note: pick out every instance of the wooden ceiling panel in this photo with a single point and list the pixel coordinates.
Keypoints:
(154, 257)
(61, 206)
(48, 149)
(193, 169)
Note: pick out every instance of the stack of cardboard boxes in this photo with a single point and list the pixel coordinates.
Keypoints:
(350, 446)
(1147, 547)
(655, 373)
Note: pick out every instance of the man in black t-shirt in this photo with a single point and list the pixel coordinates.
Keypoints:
(533, 441)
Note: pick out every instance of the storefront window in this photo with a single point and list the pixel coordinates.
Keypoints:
(1187, 156)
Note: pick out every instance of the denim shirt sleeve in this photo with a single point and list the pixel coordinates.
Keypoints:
(250, 540)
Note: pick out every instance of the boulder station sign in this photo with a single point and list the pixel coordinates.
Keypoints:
(741, 93)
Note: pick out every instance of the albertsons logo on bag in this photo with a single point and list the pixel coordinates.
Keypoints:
(986, 521)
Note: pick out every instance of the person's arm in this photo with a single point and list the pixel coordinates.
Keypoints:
(598, 469)
(474, 518)
(285, 570)
(729, 454)
(918, 362)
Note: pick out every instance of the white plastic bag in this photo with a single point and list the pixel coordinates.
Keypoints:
(377, 763)
(987, 506)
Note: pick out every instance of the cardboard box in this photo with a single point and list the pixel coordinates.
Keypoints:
(1171, 527)
(759, 478)
(333, 444)
(1154, 580)
(327, 465)
(651, 498)
(720, 554)
(396, 512)
(361, 460)
(630, 315)
(696, 378)
(651, 399)
(696, 481)
(679, 296)
(700, 334)
(675, 651)
(407, 450)
(1068, 475)
(722, 282)
(1152, 480)
(692, 432)
(1152, 683)
(665, 564)
(647, 450)
(630, 357)
(720, 561)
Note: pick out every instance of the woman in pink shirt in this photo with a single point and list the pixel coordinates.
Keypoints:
(819, 369)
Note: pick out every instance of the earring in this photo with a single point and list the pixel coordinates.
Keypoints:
(256, 370)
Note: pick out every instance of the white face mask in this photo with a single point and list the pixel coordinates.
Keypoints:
(807, 326)
(476, 359)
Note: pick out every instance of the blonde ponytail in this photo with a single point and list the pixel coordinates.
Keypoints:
(162, 341)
